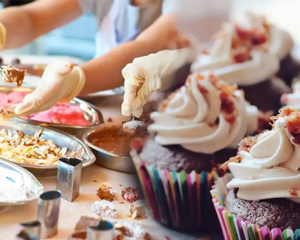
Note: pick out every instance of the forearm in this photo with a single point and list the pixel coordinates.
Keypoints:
(26, 23)
(105, 72)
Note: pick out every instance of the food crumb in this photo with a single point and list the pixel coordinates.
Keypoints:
(109, 120)
(94, 180)
(130, 194)
(106, 192)
(293, 192)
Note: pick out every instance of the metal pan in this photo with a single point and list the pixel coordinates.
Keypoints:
(17, 185)
(60, 138)
(121, 163)
(91, 112)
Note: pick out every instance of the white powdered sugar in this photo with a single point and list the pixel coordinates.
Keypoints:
(129, 231)
(104, 208)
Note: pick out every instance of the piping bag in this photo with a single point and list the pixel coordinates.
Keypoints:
(199, 21)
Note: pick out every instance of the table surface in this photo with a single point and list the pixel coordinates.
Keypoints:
(92, 176)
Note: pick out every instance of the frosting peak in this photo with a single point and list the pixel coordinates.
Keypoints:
(246, 55)
(269, 168)
(205, 115)
(280, 43)
(236, 60)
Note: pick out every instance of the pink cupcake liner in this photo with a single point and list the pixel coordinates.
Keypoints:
(234, 228)
(178, 200)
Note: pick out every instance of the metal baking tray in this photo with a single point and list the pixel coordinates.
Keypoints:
(17, 185)
(121, 163)
(104, 94)
(91, 113)
(60, 138)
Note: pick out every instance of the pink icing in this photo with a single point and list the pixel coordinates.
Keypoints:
(63, 113)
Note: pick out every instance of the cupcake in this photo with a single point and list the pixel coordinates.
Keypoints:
(241, 56)
(195, 130)
(280, 43)
(263, 198)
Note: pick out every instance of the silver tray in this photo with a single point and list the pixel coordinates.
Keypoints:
(17, 185)
(121, 163)
(104, 94)
(92, 114)
(60, 138)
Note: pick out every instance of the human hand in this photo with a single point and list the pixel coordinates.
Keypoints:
(152, 73)
(61, 81)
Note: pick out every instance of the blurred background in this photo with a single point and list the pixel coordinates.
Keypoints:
(68, 41)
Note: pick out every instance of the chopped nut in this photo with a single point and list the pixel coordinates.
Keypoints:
(12, 74)
(131, 194)
(138, 210)
(22, 148)
(247, 143)
(293, 192)
(235, 159)
(205, 52)
(202, 89)
(106, 192)
(240, 54)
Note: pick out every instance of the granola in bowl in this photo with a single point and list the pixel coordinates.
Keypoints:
(21, 148)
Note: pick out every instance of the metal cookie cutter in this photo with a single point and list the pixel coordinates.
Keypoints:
(49, 206)
(104, 231)
(30, 231)
(68, 177)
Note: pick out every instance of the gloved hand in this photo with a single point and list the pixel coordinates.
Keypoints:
(2, 36)
(61, 82)
(152, 73)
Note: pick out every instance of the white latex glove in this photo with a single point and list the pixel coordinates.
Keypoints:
(2, 36)
(61, 82)
(149, 74)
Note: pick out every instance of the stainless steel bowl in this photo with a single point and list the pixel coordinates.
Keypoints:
(17, 184)
(121, 163)
(60, 138)
(91, 113)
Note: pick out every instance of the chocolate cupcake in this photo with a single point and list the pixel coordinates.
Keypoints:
(281, 44)
(264, 195)
(241, 56)
(196, 129)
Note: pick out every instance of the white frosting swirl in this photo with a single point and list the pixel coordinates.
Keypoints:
(293, 99)
(197, 122)
(260, 67)
(270, 169)
(281, 42)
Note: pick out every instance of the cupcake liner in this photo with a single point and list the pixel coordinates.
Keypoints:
(234, 228)
(178, 200)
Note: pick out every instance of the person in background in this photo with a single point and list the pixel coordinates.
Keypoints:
(127, 29)
(9, 3)
(118, 42)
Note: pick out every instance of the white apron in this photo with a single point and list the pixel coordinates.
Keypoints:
(122, 17)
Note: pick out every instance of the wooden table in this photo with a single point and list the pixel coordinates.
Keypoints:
(92, 176)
